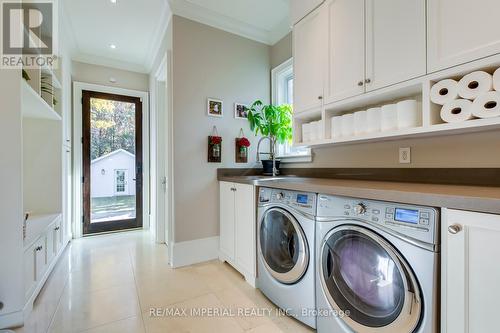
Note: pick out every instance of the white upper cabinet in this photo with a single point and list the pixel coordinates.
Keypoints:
(461, 31)
(346, 49)
(300, 8)
(309, 55)
(470, 272)
(395, 41)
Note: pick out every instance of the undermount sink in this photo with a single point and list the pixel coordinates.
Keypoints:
(261, 178)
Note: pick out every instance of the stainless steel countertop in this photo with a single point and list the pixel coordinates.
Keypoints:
(471, 198)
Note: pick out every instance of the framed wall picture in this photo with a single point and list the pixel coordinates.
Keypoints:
(240, 111)
(215, 108)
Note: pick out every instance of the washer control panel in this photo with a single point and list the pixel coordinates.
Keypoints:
(415, 221)
(302, 201)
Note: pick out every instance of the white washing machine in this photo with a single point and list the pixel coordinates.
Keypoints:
(378, 267)
(286, 233)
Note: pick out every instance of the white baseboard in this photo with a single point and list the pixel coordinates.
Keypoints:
(195, 251)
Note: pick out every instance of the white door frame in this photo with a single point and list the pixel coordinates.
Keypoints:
(162, 148)
(78, 87)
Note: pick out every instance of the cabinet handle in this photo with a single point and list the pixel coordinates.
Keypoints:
(39, 248)
(368, 81)
(454, 229)
(320, 97)
(1, 305)
(360, 83)
(57, 228)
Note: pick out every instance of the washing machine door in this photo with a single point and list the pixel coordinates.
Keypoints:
(283, 246)
(366, 278)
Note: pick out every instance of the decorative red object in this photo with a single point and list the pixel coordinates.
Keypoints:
(243, 142)
(215, 140)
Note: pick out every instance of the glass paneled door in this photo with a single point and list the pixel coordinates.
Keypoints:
(112, 162)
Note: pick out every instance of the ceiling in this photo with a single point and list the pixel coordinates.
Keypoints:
(136, 27)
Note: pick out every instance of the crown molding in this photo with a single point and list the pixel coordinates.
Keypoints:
(112, 63)
(216, 20)
(158, 36)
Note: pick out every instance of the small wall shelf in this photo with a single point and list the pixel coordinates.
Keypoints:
(34, 106)
(417, 88)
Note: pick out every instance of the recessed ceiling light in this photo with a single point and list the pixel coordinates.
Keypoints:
(112, 46)
(113, 1)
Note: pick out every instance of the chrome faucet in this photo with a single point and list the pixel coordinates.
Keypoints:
(272, 146)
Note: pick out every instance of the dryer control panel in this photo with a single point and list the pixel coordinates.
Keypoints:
(302, 201)
(417, 222)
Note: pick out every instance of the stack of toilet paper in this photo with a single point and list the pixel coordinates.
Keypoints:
(389, 117)
(476, 95)
(313, 131)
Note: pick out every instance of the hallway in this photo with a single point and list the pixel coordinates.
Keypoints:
(110, 283)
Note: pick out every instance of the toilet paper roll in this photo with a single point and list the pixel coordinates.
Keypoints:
(457, 111)
(348, 125)
(496, 80)
(408, 114)
(373, 120)
(444, 91)
(313, 134)
(487, 105)
(474, 84)
(336, 127)
(360, 122)
(389, 117)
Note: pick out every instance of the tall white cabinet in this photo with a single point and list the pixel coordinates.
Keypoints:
(395, 41)
(309, 55)
(461, 31)
(238, 228)
(470, 271)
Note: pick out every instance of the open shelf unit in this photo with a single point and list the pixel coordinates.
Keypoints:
(419, 89)
(34, 106)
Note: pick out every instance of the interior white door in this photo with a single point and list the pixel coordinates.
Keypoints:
(309, 60)
(245, 227)
(460, 31)
(395, 41)
(471, 248)
(346, 43)
(300, 8)
(227, 217)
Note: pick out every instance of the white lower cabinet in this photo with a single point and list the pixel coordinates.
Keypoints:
(238, 228)
(470, 272)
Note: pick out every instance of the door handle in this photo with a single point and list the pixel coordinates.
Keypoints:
(454, 229)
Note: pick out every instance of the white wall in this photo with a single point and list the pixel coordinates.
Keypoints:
(103, 185)
(208, 62)
(101, 75)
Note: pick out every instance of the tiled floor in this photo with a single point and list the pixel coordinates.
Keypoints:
(111, 284)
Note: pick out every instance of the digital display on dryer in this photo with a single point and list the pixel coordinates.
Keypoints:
(302, 199)
(406, 215)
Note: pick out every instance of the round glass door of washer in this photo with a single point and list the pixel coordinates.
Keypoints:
(283, 246)
(366, 278)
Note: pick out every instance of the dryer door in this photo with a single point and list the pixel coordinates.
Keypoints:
(366, 278)
(283, 246)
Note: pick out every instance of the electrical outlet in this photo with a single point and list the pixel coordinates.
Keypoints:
(404, 155)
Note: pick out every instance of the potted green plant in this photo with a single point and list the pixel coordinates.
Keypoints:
(273, 122)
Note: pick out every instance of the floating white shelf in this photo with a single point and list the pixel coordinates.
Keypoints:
(34, 106)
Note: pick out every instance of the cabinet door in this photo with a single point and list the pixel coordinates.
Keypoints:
(227, 219)
(346, 43)
(309, 54)
(245, 227)
(67, 194)
(460, 31)
(51, 243)
(300, 8)
(29, 264)
(395, 41)
(471, 272)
